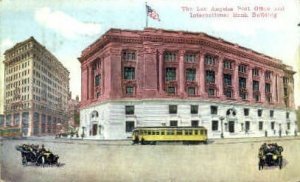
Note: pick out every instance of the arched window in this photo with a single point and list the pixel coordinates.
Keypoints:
(94, 114)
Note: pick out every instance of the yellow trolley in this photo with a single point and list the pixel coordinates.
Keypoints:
(152, 135)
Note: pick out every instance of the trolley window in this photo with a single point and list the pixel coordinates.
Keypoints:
(149, 132)
(179, 132)
(196, 132)
(163, 132)
(153, 132)
(201, 132)
(157, 132)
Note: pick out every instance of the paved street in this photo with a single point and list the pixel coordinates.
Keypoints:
(221, 160)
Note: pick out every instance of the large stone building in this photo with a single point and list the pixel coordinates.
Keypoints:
(158, 77)
(36, 89)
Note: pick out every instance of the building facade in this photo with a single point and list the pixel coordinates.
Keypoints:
(36, 89)
(158, 77)
(73, 111)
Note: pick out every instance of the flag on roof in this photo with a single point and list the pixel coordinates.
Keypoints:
(152, 13)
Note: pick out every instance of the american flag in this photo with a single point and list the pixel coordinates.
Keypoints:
(152, 13)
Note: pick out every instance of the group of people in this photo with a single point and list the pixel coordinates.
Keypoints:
(35, 149)
(271, 147)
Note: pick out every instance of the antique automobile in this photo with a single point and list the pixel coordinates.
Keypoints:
(270, 155)
(38, 156)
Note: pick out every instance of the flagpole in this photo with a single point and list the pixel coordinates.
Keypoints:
(146, 15)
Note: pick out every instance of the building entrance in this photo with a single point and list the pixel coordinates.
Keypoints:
(231, 126)
(94, 132)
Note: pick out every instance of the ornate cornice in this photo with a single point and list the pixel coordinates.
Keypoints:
(179, 37)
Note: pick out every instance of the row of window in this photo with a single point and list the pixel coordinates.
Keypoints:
(214, 126)
(194, 109)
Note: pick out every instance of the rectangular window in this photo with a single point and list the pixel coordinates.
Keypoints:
(172, 109)
(194, 109)
(213, 109)
(211, 92)
(287, 115)
(169, 56)
(171, 90)
(227, 80)
(129, 126)
(260, 126)
(285, 90)
(285, 80)
(242, 83)
(271, 113)
(272, 125)
(190, 58)
(255, 85)
(246, 112)
(288, 125)
(214, 125)
(191, 91)
(210, 76)
(170, 74)
(194, 123)
(247, 125)
(129, 90)
(97, 80)
(209, 60)
(267, 88)
(255, 72)
(129, 73)
(259, 112)
(267, 75)
(173, 123)
(242, 68)
(227, 64)
(190, 74)
(129, 110)
(228, 93)
(128, 56)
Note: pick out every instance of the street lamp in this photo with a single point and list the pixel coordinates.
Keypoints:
(222, 134)
(82, 135)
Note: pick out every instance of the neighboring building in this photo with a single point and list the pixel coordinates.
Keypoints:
(161, 77)
(36, 89)
(73, 111)
(1, 120)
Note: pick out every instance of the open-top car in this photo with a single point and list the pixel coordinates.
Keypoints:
(270, 155)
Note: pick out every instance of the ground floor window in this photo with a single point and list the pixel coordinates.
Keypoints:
(260, 126)
(288, 125)
(173, 123)
(215, 125)
(272, 125)
(247, 126)
(195, 123)
(129, 126)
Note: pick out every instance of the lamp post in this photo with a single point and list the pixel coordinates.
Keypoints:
(82, 135)
(222, 134)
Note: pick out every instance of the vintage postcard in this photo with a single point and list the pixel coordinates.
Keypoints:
(157, 90)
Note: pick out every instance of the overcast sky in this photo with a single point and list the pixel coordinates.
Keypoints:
(67, 28)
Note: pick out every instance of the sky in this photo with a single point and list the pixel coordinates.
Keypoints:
(65, 28)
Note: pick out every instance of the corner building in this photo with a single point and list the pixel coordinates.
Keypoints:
(158, 77)
(36, 89)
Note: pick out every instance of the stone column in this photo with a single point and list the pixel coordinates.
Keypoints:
(181, 72)
(219, 80)
(160, 71)
(201, 74)
(40, 123)
(273, 87)
(91, 82)
(262, 85)
(280, 90)
(235, 81)
(249, 84)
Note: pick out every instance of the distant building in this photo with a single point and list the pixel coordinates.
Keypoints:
(1, 120)
(73, 112)
(36, 89)
(156, 77)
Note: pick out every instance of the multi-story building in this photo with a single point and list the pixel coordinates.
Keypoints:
(158, 77)
(36, 89)
(73, 111)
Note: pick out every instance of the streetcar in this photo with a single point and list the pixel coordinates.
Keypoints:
(186, 135)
